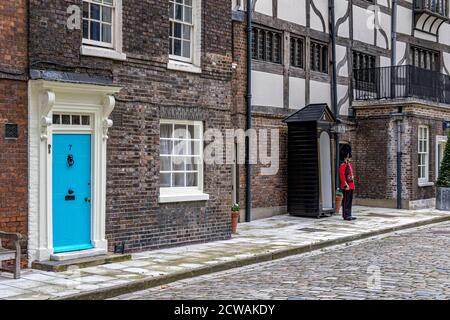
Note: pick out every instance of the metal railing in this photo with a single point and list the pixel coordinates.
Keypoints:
(436, 6)
(401, 82)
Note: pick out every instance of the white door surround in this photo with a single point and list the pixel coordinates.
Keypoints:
(46, 97)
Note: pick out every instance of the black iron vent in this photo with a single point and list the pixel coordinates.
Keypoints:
(11, 131)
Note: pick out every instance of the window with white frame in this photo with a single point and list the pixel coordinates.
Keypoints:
(424, 153)
(181, 34)
(98, 22)
(102, 29)
(181, 156)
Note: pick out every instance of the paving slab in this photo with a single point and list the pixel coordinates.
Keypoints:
(258, 241)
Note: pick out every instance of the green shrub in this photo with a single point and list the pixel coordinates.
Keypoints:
(444, 174)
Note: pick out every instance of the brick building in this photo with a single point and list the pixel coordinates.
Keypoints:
(376, 97)
(13, 118)
(118, 109)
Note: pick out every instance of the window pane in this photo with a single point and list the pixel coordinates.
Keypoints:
(177, 47)
(65, 119)
(85, 120)
(178, 163)
(85, 29)
(191, 179)
(166, 130)
(178, 180)
(106, 33)
(186, 49)
(180, 131)
(191, 164)
(107, 14)
(179, 12)
(95, 31)
(165, 164)
(85, 10)
(76, 120)
(164, 180)
(193, 148)
(166, 146)
(56, 119)
(188, 15)
(186, 32)
(95, 11)
(180, 148)
(171, 11)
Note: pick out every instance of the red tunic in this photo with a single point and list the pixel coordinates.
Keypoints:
(346, 178)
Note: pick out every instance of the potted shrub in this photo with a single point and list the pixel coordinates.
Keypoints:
(339, 197)
(235, 213)
(443, 182)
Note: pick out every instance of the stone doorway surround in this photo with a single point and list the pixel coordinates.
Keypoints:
(46, 97)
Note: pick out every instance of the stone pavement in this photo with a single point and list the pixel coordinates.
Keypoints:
(409, 264)
(258, 241)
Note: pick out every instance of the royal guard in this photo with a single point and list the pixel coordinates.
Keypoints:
(347, 182)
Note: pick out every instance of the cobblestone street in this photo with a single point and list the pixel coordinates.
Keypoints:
(412, 264)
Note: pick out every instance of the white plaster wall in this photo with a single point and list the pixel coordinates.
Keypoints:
(264, 7)
(267, 89)
(446, 58)
(341, 53)
(401, 50)
(422, 35)
(404, 20)
(385, 62)
(320, 92)
(362, 28)
(293, 11)
(444, 34)
(384, 3)
(322, 6)
(296, 93)
(341, 8)
(342, 91)
(385, 22)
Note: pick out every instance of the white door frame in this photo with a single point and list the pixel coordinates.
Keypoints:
(326, 180)
(439, 140)
(46, 97)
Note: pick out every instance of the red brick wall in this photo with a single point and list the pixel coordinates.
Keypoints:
(13, 109)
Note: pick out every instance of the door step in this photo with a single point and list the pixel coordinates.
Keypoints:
(64, 265)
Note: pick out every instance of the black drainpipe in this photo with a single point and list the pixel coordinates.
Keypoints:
(334, 84)
(400, 109)
(248, 178)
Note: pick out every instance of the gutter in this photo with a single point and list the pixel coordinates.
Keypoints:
(334, 102)
(248, 178)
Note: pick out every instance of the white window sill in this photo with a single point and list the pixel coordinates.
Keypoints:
(183, 66)
(183, 197)
(102, 53)
(426, 184)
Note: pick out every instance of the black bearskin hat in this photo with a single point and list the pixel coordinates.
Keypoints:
(346, 151)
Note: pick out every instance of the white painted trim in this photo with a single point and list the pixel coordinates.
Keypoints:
(183, 66)
(439, 140)
(424, 181)
(45, 97)
(102, 53)
(183, 197)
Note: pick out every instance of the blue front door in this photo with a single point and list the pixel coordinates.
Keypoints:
(71, 192)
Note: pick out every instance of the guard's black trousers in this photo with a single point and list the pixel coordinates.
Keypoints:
(347, 204)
